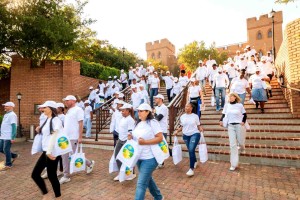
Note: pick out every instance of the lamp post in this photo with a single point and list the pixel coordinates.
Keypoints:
(123, 50)
(272, 14)
(19, 134)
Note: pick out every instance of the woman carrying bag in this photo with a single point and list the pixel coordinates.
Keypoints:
(49, 131)
(195, 97)
(147, 132)
(236, 116)
(190, 127)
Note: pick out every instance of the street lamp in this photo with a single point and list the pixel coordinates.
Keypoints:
(272, 14)
(19, 97)
(123, 50)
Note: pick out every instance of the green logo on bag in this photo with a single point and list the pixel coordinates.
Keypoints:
(128, 151)
(63, 142)
(127, 171)
(78, 162)
(163, 146)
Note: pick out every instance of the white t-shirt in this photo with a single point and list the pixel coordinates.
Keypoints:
(123, 78)
(42, 119)
(183, 80)
(126, 125)
(92, 95)
(72, 119)
(87, 112)
(221, 80)
(169, 81)
(130, 74)
(189, 123)
(232, 72)
(136, 100)
(147, 131)
(154, 82)
(115, 120)
(234, 112)
(62, 118)
(151, 68)
(150, 77)
(101, 87)
(251, 67)
(201, 73)
(6, 129)
(56, 125)
(163, 109)
(194, 91)
(239, 85)
(176, 88)
(256, 80)
(266, 68)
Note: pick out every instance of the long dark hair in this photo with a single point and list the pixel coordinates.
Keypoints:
(148, 119)
(54, 114)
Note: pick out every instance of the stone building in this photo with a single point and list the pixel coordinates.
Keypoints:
(259, 35)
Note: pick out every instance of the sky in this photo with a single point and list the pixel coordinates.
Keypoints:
(133, 23)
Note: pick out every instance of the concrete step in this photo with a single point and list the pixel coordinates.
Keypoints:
(256, 116)
(251, 111)
(258, 128)
(267, 121)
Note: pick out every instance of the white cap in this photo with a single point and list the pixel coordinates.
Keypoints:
(117, 92)
(91, 87)
(115, 77)
(134, 70)
(231, 62)
(145, 106)
(126, 106)
(69, 97)
(245, 49)
(109, 77)
(159, 96)
(237, 51)
(87, 101)
(120, 102)
(60, 105)
(263, 58)
(133, 86)
(122, 70)
(220, 69)
(168, 72)
(150, 63)
(200, 61)
(96, 89)
(155, 72)
(121, 95)
(269, 52)
(257, 69)
(141, 85)
(248, 46)
(229, 59)
(51, 104)
(11, 104)
(175, 79)
(193, 79)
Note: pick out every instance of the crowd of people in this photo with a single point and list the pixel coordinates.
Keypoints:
(145, 117)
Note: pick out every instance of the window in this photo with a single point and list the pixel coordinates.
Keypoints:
(159, 55)
(270, 33)
(153, 56)
(259, 35)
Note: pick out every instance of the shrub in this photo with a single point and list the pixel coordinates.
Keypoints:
(1, 118)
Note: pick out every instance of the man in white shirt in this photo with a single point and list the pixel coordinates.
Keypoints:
(183, 79)
(269, 57)
(115, 119)
(251, 66)
(73, 127)
(242, 63)
(231, 71)
(237, 57)
(130, 75)
(8, 133)
(201, 75)
(150, 67)
(250, 52)
(88, 117)
(123, 79)
(135, 100)
(101, 86)
(169, 84)
(92, 96)
(142, 71)
(267, 68)
(220, 84)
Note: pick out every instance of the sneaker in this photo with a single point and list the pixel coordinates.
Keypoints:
(243, 150)
(14, 159)
(131, 177)
(195, 165)
(64, 180)
(45, 175)
(4, 168)
(90, 168)
(116, 178)
(59, 173)
(232, 168)
(190, 172)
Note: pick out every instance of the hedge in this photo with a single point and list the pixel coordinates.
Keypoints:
(96, 70)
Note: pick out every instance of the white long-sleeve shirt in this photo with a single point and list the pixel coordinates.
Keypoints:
(221, 80)
(201, 73)
(169, 81)
(115, 120)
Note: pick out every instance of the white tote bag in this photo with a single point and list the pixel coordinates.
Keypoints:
(212, 101)
(264, 84)
(125, 172)
(161, 151)
(176, 152)
(203, 155)
(77, 162)
(247, 126)
(225, 121)
(129, 153)
(37, 144)
(113, 167)
(62, 144)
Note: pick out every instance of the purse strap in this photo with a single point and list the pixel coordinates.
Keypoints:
(202, 139)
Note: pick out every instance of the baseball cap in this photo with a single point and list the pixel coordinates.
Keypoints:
(60, 105)
(126, 106)
(200, 61)
(115, 77)
(121, 95)
(168, 72)
(263, 58)
(11, 104)
(220, 69)
(51, 104)
(248, 46)
(133, 86)
(69, 97)
(193, 79)
(122, 70)
(145, 106)
(109, 77)
(87, 101)
(159, 96)
(91, 87)
(258, 69)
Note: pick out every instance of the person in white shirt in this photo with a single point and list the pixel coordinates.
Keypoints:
(143, 94)
(154, 86)
(220, 84)
(242, 63)
(201, 75)
(101, 86)
(97, 99)
(147, 132)
(176, 87)
(136, 75)
(123, 79)
(108, 88)
(115, 120)
(211, 75)
(125, 127)
(191, 128)
(60, 108)
(183, 79)
(150, 67)
(250, 52)
(269, 57)
(259, 94)
(143, 82)
(49, 130)
(237, 57)
(116, 82)
(169, 84)
(73, 127)
(267, 68)
(231, 71)
(79, 102)
(251, 66)
(92, 96)
(235, 119)
(142, 70)
(150, 77)
(135, 100)
(130, 75)
(88, 117)
(195, 96)
(8, 133)
(240, 86)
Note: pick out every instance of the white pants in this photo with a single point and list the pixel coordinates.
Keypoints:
(236, 134)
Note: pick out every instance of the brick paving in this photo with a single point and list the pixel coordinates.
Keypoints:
(212, 180)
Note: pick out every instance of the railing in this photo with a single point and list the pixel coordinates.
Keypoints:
(103, 116)
(290, 88)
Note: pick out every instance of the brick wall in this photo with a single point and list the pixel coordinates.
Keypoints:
(52, 82)
(4, 92)
(288, 63)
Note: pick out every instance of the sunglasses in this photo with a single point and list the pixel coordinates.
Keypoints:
(143, 110)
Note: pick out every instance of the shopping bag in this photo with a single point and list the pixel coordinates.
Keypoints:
(269, 87)
(203, 155)
(176, 152)
(37, 144)
(212, 100)
(247, 126)
(202, 107)
(264, 84)
(225, 122)
(62, 144)
(113, 167)
(129, 153)
(77, 162)
(160, 151)
(251, 101)
(125, 172)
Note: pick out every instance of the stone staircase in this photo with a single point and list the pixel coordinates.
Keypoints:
(274, 138)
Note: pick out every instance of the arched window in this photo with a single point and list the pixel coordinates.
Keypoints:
(259, 35)
(159, 55)
(270, 33)
(153, 56)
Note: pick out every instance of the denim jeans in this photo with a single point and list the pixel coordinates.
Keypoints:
(242, 96)
(145, 180)
(87, 123)
(153, 92)
(218, 91)
(202, 85)
(191, 144)
(5, 146)
(169, 95)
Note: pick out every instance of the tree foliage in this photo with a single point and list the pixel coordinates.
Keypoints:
(284, 1)
(158, 66)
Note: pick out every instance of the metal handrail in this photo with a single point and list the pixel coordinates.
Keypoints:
(290, 88)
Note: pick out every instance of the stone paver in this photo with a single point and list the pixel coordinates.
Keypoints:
(212, 180)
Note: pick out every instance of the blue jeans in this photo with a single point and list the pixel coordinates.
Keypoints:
(5, 146)
(191, 144)
(153, 92)
(145, 180)
(87, 123)
(218, 91)
(169, 95)
(242, 96)
(202, 85)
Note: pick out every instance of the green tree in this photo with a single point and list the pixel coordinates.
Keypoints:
(158, 66)
(284, 1)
